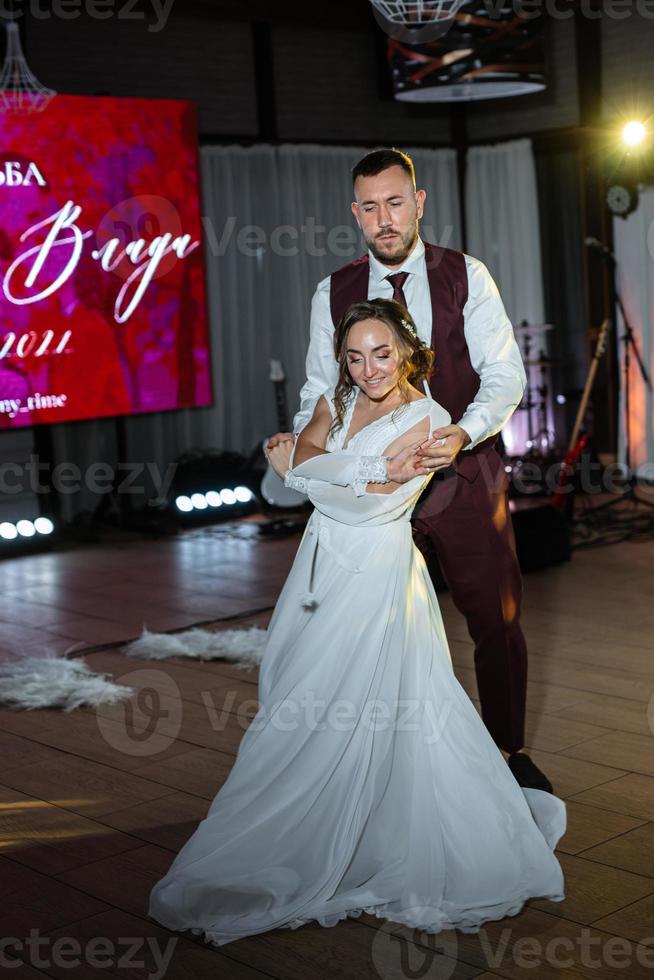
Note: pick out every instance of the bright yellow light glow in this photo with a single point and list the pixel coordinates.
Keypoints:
(634, 133)
(31, 804)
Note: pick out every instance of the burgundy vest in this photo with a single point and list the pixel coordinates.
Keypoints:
(453, 382)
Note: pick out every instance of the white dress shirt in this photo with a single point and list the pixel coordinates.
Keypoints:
(494, 353)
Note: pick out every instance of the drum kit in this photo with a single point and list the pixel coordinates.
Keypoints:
(532, 441)
(538, 400)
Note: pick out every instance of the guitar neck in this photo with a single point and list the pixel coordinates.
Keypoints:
(583, 404)
(282, 406)
(592, 371)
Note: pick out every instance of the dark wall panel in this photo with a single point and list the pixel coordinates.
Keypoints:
(556, 107)
(330, 76)
(627, 59)
(203, 59)
(328, 81)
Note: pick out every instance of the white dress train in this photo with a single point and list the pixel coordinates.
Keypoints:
(367, 780)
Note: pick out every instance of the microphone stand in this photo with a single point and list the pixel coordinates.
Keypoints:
(629, 342)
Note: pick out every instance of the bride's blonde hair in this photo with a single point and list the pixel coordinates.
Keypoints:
(417, 360)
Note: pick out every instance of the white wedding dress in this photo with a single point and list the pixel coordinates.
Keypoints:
(367, 780)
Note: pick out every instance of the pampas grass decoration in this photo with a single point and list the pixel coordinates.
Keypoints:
(244, 648)
(52, 681)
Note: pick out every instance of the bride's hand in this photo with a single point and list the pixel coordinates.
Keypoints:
(406, 464)
(280, 456)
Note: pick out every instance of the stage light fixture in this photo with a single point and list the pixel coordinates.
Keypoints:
(228, 496)
(24, 535)
(8, 531)
(212, 486)
(243, 495)
(44, 525)
(634, 133)
(624, 148)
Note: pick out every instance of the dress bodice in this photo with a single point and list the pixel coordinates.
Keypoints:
(358, 527)
(373, 439)
(339, 502)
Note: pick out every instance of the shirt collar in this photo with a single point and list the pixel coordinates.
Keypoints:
(412, 263)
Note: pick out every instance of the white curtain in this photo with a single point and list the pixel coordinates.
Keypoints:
(503, 231)
(634, 251)
(298, 200)
(436, 172)
(276, 221)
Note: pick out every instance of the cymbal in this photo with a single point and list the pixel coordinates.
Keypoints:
(532, 327)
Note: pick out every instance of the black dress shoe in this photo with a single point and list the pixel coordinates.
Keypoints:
(527, 773)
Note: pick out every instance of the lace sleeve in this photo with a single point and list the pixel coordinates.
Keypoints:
(300, 483)
(369, 469)
(339, 468)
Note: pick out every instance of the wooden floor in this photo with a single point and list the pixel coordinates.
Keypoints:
(94, 807)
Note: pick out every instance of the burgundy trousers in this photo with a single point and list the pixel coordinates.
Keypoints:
(467, 524)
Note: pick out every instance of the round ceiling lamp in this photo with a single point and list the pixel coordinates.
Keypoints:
(20, 89)
(415, 21)
(484, 54)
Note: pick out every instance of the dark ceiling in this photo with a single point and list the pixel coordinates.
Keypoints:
(346, 12)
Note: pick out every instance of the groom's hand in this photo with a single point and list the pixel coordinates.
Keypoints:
(406, 464)
(440, 450)
(278, 438)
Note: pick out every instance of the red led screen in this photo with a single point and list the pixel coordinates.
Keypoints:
(102, 299)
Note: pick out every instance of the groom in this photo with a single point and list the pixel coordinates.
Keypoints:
(479, 378)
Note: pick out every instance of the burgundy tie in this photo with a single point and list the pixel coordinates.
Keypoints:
(397, 280)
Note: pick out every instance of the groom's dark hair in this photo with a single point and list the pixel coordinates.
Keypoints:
(378, 160)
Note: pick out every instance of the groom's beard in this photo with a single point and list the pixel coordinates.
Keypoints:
(392, 249)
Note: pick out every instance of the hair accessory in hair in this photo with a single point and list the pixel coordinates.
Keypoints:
(409, 326)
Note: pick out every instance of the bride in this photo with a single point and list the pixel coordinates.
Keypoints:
(367, 780)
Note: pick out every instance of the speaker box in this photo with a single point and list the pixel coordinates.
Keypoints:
(542, 536)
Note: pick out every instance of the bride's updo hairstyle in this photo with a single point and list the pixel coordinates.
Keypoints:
(416, 359)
